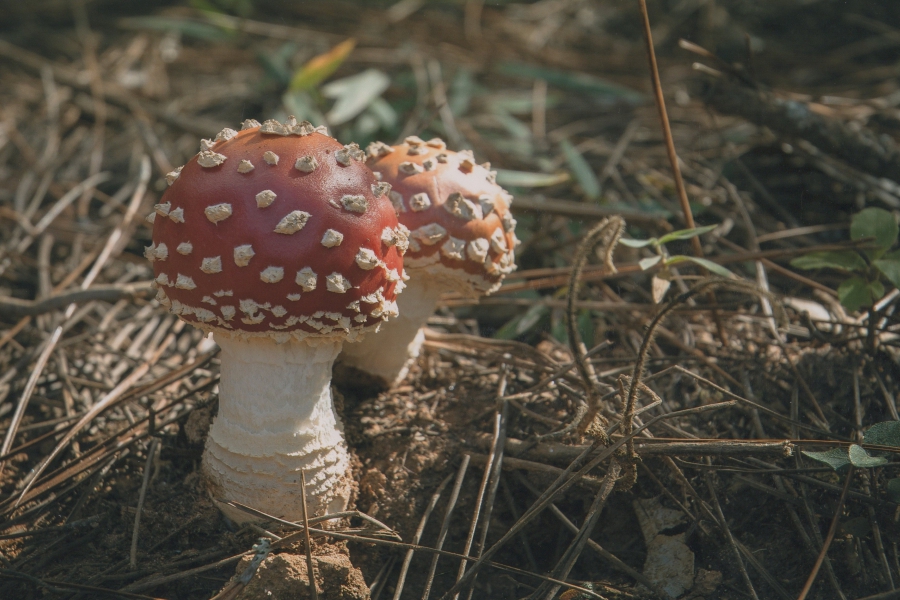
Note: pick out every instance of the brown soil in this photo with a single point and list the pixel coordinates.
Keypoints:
(558, 89)
(285, 577)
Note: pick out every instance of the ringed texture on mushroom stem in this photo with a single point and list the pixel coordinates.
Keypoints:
(462, 238)
(252, 269)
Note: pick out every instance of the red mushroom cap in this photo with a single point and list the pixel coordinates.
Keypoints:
(461, 228)
(278, 231)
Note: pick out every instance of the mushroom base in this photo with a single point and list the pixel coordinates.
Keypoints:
(389, 353)
(276, 421)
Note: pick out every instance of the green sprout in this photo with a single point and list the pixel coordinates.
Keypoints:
(885, 434)
(662, 278)
(867, 267)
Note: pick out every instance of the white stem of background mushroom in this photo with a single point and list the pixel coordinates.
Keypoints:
(389, 353)
(276, 418)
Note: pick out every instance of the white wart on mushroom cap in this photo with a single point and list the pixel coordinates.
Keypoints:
(461, 228)
(461, 237)
(278, 249)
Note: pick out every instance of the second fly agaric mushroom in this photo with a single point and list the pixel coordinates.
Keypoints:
(281, 242)
(462, 238)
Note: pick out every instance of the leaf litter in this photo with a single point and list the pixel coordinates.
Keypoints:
(762, 416)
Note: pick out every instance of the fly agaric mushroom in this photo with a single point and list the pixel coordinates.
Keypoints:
(462, 238)
(282, 243)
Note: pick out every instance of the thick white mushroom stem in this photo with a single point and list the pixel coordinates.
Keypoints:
(276, 418)
(389, 353)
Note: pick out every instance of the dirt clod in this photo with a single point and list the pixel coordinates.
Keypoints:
(284, 577)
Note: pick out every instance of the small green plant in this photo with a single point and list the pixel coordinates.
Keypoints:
(662, 279)
(867, 268)
(357, 106)
(879, 434)
(241, 8)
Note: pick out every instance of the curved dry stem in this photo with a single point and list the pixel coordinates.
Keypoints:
(630, 457)
(636, 383)
(580, 412)
(607, 232)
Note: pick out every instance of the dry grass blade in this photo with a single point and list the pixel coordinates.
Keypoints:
(151, 456)
(400, 545)
(445, 524)
(102, 405)
(65, 587)
(391, 544)
(381, 578)
(89, 93)
(29, 390)
(730, 537)
(111, 244)
(491, 468)
(666, 127)
(54, 529)
(573, 552)
(607, 233)
(582, 210)
(310, 568)
(401, 579)
(155, 582)
(58, 209)
(832, 529)
(565, 481)
(113, 444)
(615, 561)
(381, 528)
(111, 92)
(496, 462)
(755, 405)
(16, 307)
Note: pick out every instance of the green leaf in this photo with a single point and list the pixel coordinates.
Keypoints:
(889, 265)
(645, 205)
(524, 179)
(384, 112)
(303, 106)
(842, 260)
(637, 243)
(558, 331)
(708, 264)
(581, 82)
(318, 68)
(522, 323)
(354, 94)
(275, 63)
(462, 89)
(686, 234)
(875, 223)
(582, 171)
(186, 27)
(517, 102)
(242, 8)
(836, 458)
(712, 267)
(513, 126)
(647, 263)
(893, 489)
(520, 148)
(364, 127)
(874, 254)
(855, 293)
(857, 527)
(886, 433)
(860, 458)
(585, 325)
